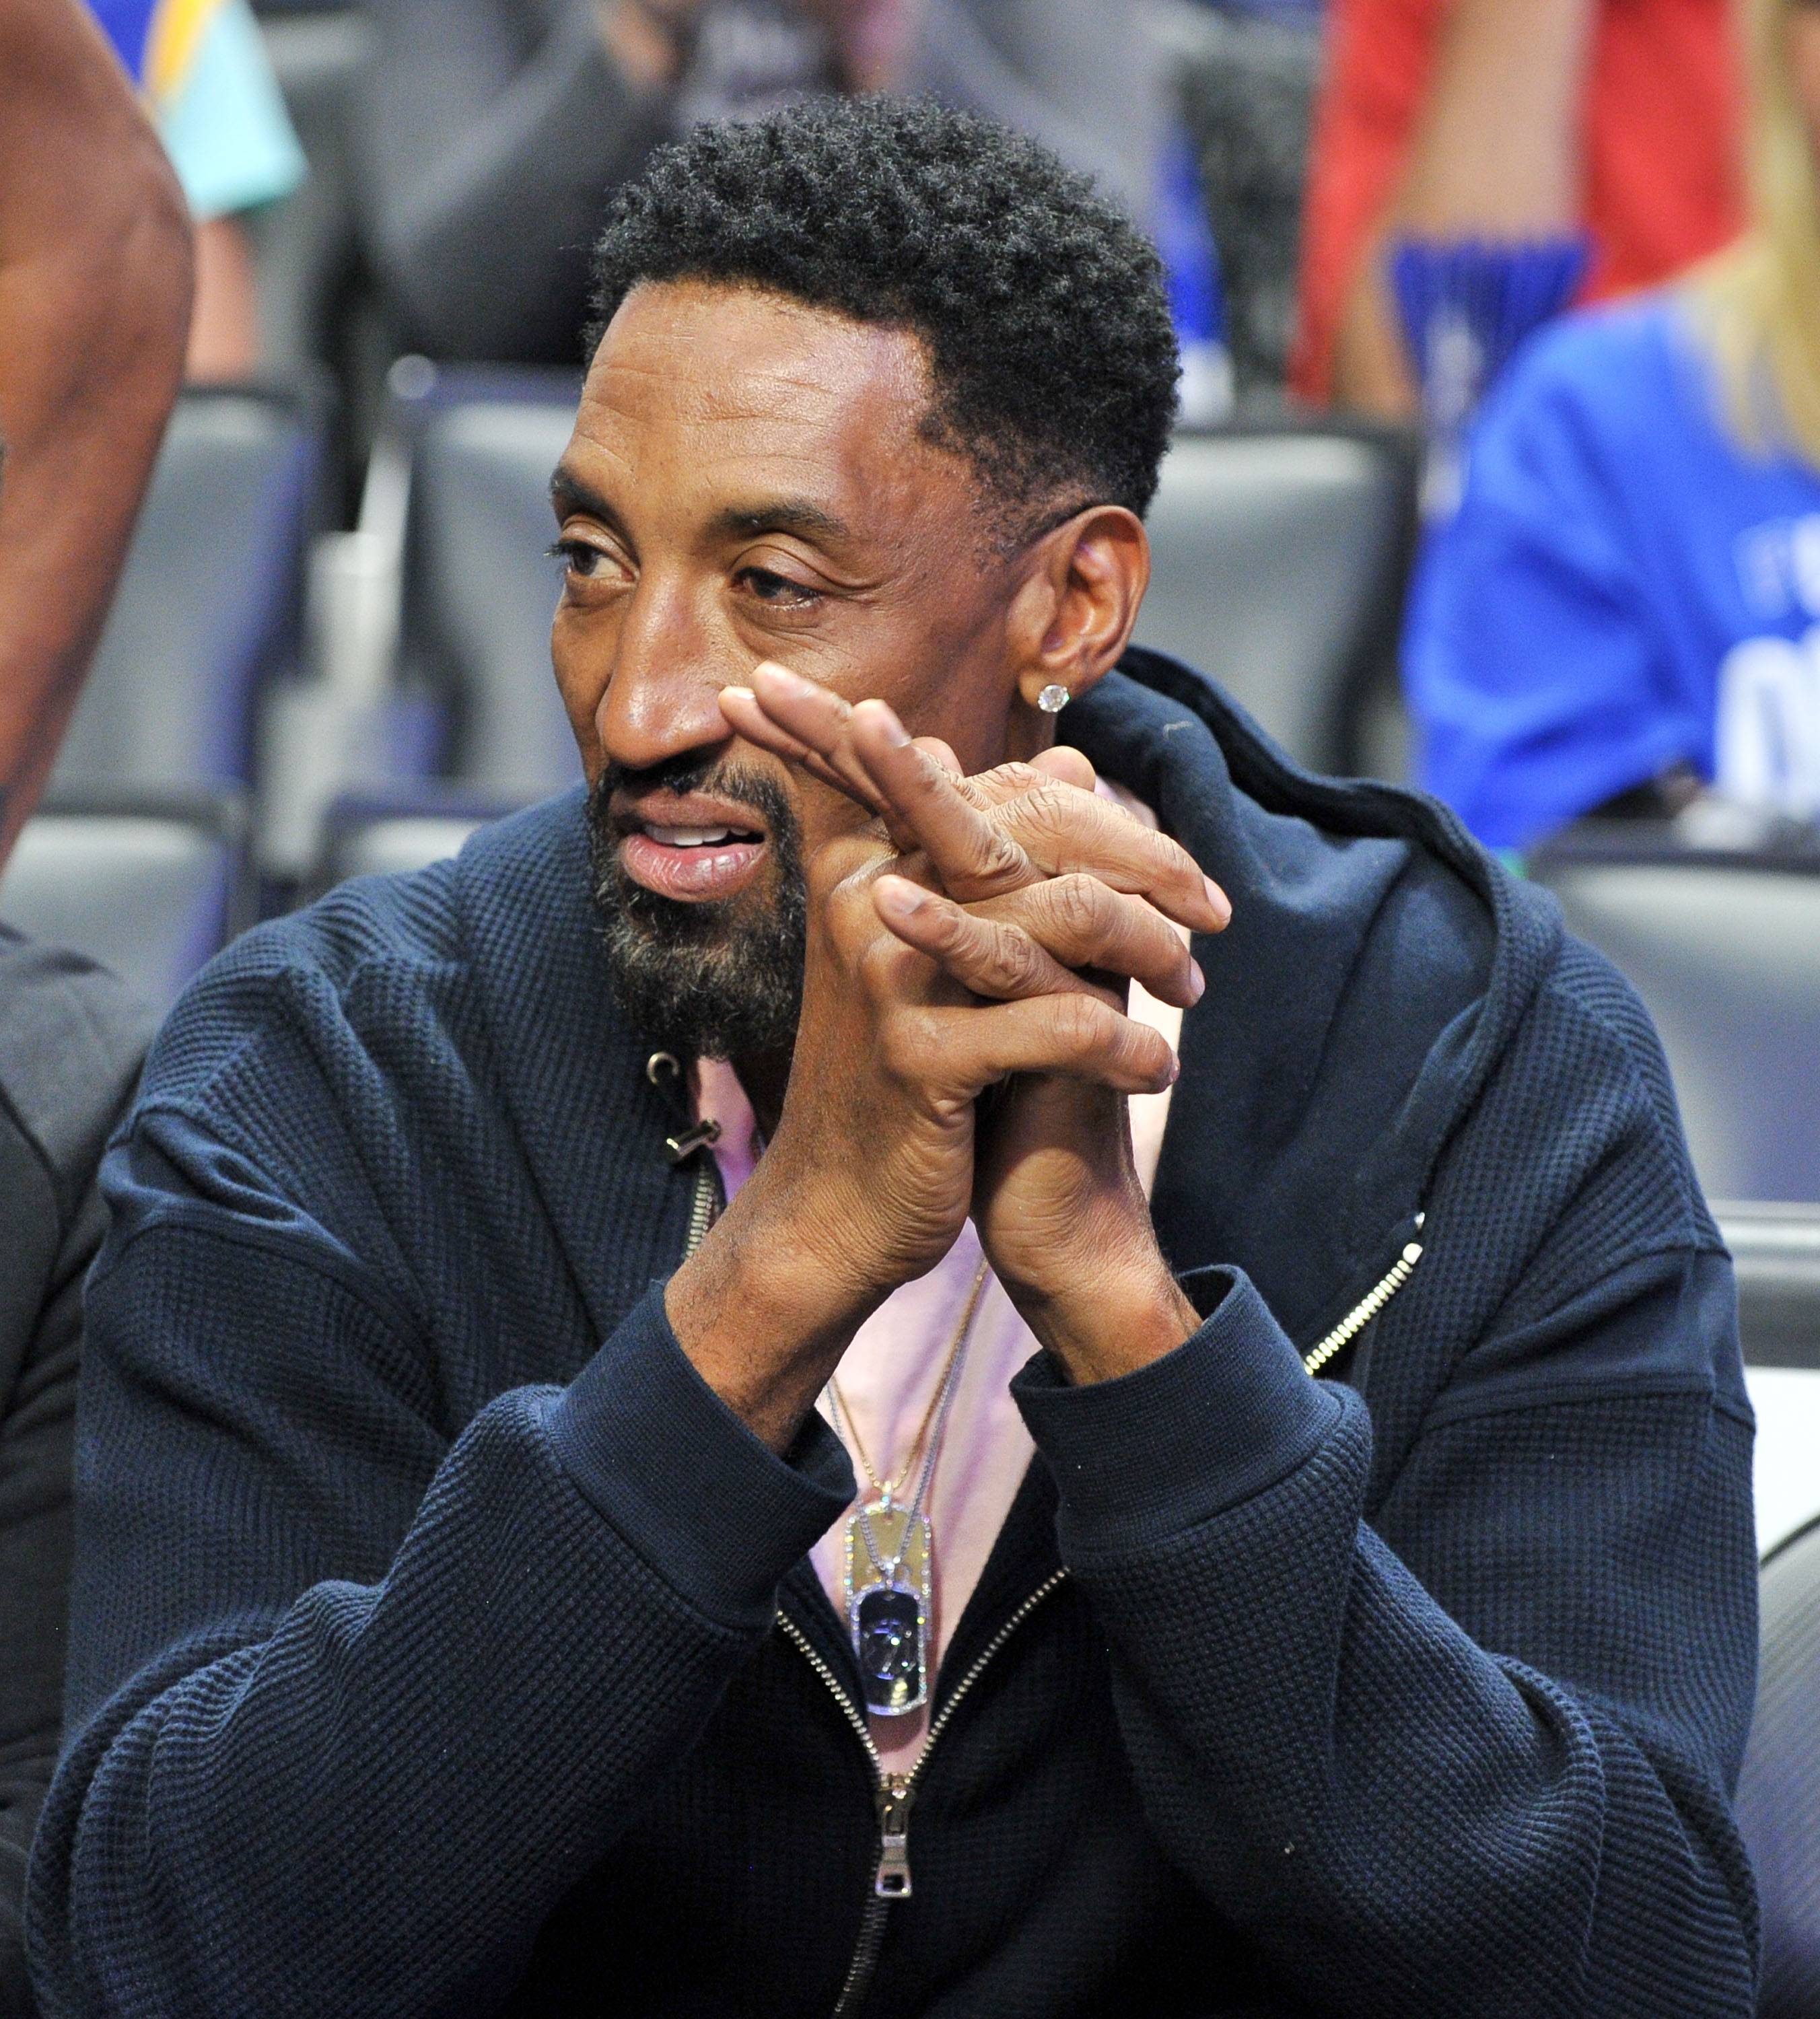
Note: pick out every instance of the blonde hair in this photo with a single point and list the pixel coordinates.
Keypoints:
(1758, 302)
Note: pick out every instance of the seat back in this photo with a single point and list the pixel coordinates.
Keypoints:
(1779, 1793)
(1279, 558)
(390, 835)
(1775, 1249)
(209, 603)
(150, 888)
(1726, 955)
(481, 587)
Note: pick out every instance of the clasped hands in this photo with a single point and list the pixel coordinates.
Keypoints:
(963, 1048)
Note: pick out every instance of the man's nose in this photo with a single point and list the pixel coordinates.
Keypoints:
(662, 699)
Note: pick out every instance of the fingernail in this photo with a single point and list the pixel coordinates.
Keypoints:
(885, 717)
(1196, 981)
(795, 681)
(898, 895)
(1222, 904)
(739, 694)
(1175, 1067)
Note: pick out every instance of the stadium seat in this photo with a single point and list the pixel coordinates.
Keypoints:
(1279, 556)
(386, 834)
(1726, 954)
(209, 603)
(1776, 1250)
(480, 587)
(150, 885)
(1778, 1794)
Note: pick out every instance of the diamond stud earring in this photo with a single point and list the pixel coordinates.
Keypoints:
(1053, 698)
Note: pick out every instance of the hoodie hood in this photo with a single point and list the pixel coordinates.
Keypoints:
(1377, 963)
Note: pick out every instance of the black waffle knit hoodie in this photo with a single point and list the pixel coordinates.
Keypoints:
(442, 1645)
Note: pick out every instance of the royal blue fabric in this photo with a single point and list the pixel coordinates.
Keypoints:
(425, 1655)
(127, 24)
(1568, 628)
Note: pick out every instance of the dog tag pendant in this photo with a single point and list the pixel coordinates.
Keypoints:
(887, 1606)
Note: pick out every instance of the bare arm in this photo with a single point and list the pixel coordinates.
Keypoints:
(1496, 154)
(492, 153)
(94, 277)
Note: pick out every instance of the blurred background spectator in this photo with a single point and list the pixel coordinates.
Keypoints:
(1246, 72)
(208, 82)
(95, 281)
(497, 127)
(1626, 606)
(1507, 120)
(94, 300)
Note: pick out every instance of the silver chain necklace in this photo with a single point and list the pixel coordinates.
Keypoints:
(888, 1599)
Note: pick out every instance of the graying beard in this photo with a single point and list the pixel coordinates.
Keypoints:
(702, 980)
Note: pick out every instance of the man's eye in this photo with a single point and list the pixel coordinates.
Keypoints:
(779, 590)
(580, 558)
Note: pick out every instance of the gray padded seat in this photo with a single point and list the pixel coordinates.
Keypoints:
(482, 588)
(1727, 957)
(1779, 1793)
(208, 606)
(150, 894)
(391, 845)
(1279, 558)
(1775, 1249)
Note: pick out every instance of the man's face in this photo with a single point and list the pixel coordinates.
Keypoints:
(746, 481)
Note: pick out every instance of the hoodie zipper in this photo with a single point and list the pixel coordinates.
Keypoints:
(893, 1793)
(702, 1209)
(1368, 1307)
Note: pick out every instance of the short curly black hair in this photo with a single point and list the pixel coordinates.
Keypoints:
(1043, 308)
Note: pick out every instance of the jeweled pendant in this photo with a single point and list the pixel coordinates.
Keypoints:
(890, 1635)
(887, 1606)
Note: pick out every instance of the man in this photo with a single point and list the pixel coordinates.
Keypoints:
(94, 302)
(470, 1617)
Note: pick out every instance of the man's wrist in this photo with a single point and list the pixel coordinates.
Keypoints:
(1110, 1320)
(764, 1315)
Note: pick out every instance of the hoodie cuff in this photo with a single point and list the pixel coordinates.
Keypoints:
(1228, 1415)
(716, 1513)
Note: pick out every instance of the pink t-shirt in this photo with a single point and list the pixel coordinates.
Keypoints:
(891, 1370)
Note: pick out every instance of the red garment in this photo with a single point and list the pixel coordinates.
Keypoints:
(1663, 184)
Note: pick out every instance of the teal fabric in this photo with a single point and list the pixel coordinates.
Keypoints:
(225, 128)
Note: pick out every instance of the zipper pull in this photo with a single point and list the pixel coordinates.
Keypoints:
(892, 1881)
(680, 1148)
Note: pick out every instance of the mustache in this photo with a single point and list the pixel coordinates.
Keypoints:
(743, 784)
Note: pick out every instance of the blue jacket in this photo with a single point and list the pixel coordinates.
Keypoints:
(442, 1644)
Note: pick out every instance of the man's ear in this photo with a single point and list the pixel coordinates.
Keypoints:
(1077, 607)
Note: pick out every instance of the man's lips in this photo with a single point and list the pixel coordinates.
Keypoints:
(693, 848)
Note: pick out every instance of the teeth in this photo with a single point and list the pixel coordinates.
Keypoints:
(690, 837)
